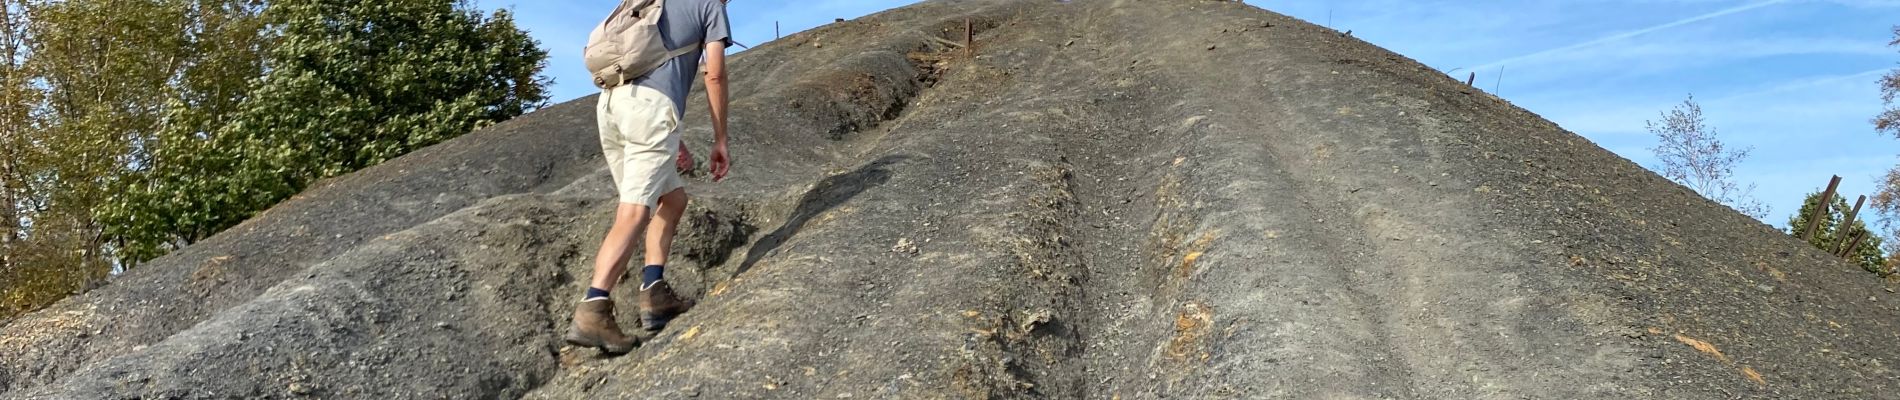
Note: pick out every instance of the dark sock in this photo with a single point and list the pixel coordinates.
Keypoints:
(594, 293)
(650, 274)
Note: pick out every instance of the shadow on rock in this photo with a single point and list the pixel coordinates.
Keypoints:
(828, 194)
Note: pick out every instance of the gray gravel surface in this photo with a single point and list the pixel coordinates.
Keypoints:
(1106, 199)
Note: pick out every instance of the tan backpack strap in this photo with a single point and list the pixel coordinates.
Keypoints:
(682, 52)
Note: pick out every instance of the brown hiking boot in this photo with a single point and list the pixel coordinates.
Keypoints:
(658, 305)
(594, 326)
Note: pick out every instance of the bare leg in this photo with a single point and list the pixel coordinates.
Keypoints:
(660, 235)
(611, 262)
(658, 303)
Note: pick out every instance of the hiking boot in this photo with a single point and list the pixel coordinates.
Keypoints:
(594, 326)
(658, 305)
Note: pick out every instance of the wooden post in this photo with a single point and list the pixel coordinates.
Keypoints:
(969, 36)
(1498, 88)
(1473, 80)
(1842, 251)
(775, 33)
(1827, 199)
(1855, 245)
(1847, 223)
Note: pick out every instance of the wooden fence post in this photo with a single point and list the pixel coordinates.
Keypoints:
(1855, 245)
(969, 36)
(1840, 243)
(1827, 200)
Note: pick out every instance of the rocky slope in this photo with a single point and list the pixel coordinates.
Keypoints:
(1111, 198)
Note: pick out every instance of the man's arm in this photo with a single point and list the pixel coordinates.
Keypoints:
(716, 94)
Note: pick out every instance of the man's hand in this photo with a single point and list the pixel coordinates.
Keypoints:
(721, 162)
(686, 160)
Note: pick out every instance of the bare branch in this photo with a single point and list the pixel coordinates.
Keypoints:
(1692, 155)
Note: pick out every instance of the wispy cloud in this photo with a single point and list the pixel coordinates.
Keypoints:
(1860, 78)
(1631, 34)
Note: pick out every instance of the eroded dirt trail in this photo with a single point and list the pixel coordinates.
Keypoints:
(1313, 221)
(940, 264)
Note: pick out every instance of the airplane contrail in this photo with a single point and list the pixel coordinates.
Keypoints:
(1634, 33)
(1803, 84)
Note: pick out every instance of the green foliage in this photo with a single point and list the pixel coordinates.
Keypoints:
(16, 108)
(349, 84)
(1829, 235)
(88, 96)
(230, 56)
(186, 117)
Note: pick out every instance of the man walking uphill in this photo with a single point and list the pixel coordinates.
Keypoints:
(644, 57)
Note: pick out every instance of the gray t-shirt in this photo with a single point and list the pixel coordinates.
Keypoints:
(685, 23)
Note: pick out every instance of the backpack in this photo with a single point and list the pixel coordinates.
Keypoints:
(627, 45)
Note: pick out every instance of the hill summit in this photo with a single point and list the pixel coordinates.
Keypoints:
(1100, 199)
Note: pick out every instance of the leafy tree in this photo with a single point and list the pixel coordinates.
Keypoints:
(1829, 235)
(1886, 199)
(1888, 121)
(83, 96)
(229, 42)
(16, 108)
(348, 84)
(1692, 155)
(185, 117)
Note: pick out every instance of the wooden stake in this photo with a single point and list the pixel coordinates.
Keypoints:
(947, 42)
(1498, 88)
(1855, 245)
(1827, 198)
(1847, 223)
(1842, 250)
(1473, 80)
(969, 36)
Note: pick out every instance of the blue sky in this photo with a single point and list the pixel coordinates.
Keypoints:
(1793, 79)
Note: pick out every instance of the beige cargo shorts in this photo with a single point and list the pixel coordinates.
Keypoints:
(639, 133)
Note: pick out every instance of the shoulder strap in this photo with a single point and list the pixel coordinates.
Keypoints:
(682, 51)
(675, 53)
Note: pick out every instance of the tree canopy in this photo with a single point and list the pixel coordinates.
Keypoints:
(181, 118)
